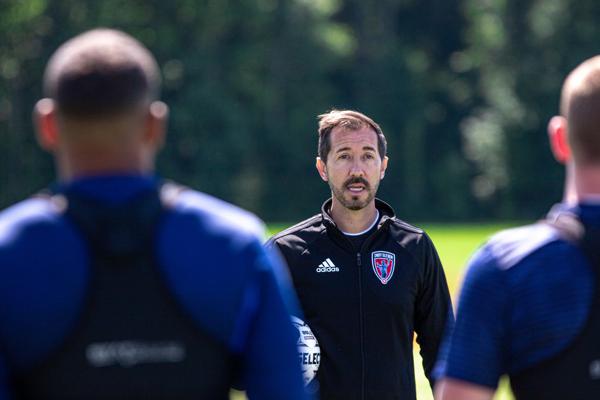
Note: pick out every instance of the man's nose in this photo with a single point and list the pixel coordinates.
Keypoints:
(357, 169)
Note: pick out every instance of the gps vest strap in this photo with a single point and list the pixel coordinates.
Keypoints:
(132, 339)
(574, 373)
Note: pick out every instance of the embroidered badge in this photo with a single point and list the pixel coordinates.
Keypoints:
(383, 263)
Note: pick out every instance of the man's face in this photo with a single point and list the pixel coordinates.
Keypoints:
(354, 167)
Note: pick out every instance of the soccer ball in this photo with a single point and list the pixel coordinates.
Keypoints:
(308, 350)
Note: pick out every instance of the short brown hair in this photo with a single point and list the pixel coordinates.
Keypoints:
(100, 72)
(347, 119)
(580, 105)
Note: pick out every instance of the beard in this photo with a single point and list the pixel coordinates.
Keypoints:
(353, 201)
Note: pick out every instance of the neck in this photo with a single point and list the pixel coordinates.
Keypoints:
(586, 182)
(102, 146)
(80, 162)
(570, 193)
(352, 221)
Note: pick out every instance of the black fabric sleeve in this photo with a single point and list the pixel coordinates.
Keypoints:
(432, 308)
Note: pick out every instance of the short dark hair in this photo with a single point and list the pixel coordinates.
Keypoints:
(347, 119)
(101, 72)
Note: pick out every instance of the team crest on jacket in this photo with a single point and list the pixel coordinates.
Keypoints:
(383, 263)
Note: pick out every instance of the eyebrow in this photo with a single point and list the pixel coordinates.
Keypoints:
(371, 148)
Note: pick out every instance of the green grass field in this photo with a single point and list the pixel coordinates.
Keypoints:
(455, 244)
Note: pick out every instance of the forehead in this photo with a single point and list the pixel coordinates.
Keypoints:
(342, 137)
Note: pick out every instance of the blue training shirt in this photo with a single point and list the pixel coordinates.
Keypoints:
(525, 297)
(213, 260)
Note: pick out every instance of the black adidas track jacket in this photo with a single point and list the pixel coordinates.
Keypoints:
(364, 305)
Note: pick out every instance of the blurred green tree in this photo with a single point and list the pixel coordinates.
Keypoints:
(462, 88)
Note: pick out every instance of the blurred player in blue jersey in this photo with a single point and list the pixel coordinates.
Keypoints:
(117, 285)
(530, 303)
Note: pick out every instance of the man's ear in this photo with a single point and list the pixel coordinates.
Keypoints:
(559, 139)
(384, 164)
(45, 122)
(156, 123)
(322, 168)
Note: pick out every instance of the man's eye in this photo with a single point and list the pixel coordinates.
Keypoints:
(369, 156)
(344, 156)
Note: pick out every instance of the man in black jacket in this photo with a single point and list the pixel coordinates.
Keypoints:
(366, 280)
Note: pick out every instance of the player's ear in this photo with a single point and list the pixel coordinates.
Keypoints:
(45, 122)
(322, 168)
(384, 164)
(156, 123)
(559, 139)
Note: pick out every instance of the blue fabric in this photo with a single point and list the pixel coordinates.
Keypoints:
(213, 261)
(525, 297)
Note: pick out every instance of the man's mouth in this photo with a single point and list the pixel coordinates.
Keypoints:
(356, 187)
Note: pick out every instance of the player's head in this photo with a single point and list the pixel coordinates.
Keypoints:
(575, 134)
(99, 73)
(352, 157)
(101, 90)
(349, 120)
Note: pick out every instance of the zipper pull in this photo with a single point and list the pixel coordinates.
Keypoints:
(358, 260)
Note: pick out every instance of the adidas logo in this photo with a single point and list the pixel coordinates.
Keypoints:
(327, 266)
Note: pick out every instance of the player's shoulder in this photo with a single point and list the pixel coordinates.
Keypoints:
(412, 238)
(404, 227)
(216, 216)
(511, 247)
(304, 231)
(398, 226)
(526, 258)
(28, 216)
(388, 215)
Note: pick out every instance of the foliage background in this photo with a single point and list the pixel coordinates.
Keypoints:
(462, 88)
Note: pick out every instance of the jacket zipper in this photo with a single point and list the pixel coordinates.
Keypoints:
(360, 303)
(361, 327)
(363, 356)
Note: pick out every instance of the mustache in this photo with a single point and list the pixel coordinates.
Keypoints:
(357, 179)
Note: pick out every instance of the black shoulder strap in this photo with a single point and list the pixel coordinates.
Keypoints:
(122, 229)
(169, 192)
(133, 338)
(572, 229)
